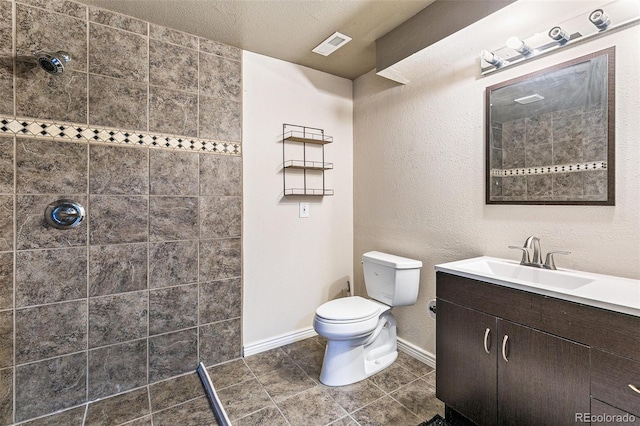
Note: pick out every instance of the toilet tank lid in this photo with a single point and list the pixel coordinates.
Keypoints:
(391, 260)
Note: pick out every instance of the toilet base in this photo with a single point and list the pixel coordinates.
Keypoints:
(350, 361)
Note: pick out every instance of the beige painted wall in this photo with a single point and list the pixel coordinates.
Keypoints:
(419, 159)
(293, 265)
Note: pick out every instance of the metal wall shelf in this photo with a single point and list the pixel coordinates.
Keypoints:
(306, 135)
(292, 133)
(308, 192)
(309, 165)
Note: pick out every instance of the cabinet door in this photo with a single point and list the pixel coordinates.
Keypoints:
(545, 380)
(615, 380)
(606, 415)
(465, 371)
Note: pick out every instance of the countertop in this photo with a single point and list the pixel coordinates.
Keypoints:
(602, 291)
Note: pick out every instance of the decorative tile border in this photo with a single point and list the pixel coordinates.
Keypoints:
(545, 170)
(78, 132)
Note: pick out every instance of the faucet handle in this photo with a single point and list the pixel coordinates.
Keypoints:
(549, 263)
(525, 254)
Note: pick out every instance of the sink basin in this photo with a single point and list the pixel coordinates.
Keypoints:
(507, 270)
(604, 291)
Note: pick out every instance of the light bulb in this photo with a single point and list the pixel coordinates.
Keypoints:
(519, 46)
(491, 58)
(559, 35)
(600, 19)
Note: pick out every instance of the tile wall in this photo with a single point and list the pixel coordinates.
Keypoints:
(559, 155)
(150, 283)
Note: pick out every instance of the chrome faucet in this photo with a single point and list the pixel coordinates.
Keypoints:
(536, 261)
(537, 257)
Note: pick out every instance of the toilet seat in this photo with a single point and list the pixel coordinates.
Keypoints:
(349, 310)
(348, 318)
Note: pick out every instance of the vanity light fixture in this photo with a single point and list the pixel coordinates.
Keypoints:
(559, 35)
(600, 19)
(519, 46)
(591, 23)
(491, 58)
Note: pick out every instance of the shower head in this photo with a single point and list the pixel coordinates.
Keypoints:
(53, 63)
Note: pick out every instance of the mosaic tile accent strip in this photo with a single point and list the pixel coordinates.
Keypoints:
(545, 170)
(77, 132)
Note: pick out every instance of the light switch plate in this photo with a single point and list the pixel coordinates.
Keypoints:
(304, 210)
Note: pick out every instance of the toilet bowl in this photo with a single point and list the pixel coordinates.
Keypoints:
(361, 333)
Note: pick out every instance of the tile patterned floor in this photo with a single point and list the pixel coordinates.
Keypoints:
(282, 387)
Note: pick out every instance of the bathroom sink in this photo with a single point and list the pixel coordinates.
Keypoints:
(504, 269)
(604, 291)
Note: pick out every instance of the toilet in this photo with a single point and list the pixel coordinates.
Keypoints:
(361, 333)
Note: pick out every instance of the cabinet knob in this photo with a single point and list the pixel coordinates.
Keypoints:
(635, 389)
(504, 347)
(486, 340)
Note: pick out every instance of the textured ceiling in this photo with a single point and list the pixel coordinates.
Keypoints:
(283, 29)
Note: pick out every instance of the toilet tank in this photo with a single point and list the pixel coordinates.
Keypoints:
(390, 279)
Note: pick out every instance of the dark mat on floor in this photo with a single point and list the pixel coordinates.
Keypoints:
(435, 421)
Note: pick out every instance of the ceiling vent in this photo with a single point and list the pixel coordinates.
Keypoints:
(334, 42)
(529, 99)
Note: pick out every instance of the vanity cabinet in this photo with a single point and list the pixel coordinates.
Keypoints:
(511, 357)
(497, 372)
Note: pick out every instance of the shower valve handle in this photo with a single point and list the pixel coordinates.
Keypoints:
(64, 214)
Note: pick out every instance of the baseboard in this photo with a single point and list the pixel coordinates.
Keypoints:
(278, 341)
(305, 333)
(416, 352)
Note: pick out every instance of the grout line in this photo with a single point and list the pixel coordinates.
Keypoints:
(149, 393)
(87, 28)
(118, 28)
(405, 407)
(348, 416)
(24, 364)
(148, 245)
(14, 59)
(87, 248)
(148, 79)
(198, 235)
(14, 53)
(86, 411)
(14, 281)
(181, 403)
(198, 98)
(22, 308)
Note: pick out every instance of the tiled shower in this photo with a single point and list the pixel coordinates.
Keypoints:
(144, 129)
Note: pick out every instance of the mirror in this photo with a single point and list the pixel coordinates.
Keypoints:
(550, 135)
